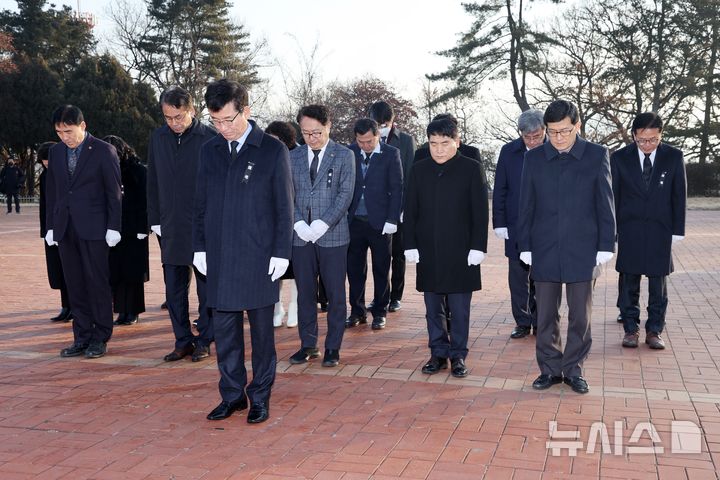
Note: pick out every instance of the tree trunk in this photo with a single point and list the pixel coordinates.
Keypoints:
(709, 91)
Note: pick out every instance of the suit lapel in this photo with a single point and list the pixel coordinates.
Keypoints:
(87, 151)
(301, 168)
(633, 164)
(659, 170)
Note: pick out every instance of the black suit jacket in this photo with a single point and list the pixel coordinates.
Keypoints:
(92, 197)
(406, 144)
(648, 217)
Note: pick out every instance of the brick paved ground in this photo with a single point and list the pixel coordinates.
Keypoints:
(130, 416)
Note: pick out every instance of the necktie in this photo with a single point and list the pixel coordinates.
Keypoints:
(383, 139)
(366, 164)
(314, 165)
(647, 170)
(72, 162)
(233, 151)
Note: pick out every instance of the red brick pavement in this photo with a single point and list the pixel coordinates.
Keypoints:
(131, 416)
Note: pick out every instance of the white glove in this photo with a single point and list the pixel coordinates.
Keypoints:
(475, 257)
(112, 237)
(49, 238)
(412, 256)
(675, 238)
(526, 258)
(603, 257)
(141, 236)
(502, 233)
(389, 228)
(156, 229)
(200, 262)
(401, 217)
(278, 267)
(319, 228)
(304, 231)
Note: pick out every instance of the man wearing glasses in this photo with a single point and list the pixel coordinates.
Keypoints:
(650, 191)
(566, 229)
(324, 179)
(173, 156)
(505, 202)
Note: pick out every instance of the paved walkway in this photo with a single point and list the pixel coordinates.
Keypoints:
(131, 416)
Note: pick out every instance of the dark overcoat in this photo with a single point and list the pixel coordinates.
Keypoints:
(566, 211)
(406, 144)
(11, 179)
(129, 258)
(647, 218)
(52, 253)
(446, 216)
(243, 215)
(172, 172)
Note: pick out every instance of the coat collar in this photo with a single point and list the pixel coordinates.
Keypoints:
(253, 139)
(577, 151)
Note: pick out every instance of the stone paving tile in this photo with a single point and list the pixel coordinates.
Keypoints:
(130, 415)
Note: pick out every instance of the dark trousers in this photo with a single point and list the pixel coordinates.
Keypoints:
(230, 351)
(86, 269)
(397, 280)
(309, 261)
(630, 303)
(129, 297)
(177, 286)
(9, 197)
(362, 237)
(441, 344)
(551, 358)
(64, 297)
(522, 293)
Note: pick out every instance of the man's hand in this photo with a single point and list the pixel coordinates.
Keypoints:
(502, 233)
(49, 238)
(412, 256)
(389, 228)
(677, 238)
(526, 258)
(304, 231)
(156, 229)
(200, 262)
(475, 257)
(603, 257)
(141, 236)
(320, 228)
(112, 237)
(278, 267)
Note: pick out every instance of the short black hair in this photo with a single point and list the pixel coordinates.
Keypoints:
(124, 151)
(558, 110)
(317, 112)
(365, 125)
(67, 114)
(177, 97)
(446, 116)
(43, 151)
(221, 92)
(381, 112)
(443, 127)
(647, 120)
(284, 131)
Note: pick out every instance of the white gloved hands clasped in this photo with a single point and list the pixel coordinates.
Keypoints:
(49, 238)
(278, 267)
(475, 257)
(112, 237)
(319, 228)
(304, 231)
(526, 258)
(502, 233)
(603, 257)
(412, 255)
(389, 228)
(200, 262)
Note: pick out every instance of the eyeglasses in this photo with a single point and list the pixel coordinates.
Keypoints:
(223, 123)
(533, 138)
(565, 132)
(647, 141)
(177, 118)
(311, 134)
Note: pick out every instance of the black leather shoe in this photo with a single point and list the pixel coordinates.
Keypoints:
(371, 305)
(355, 320)
(458, 368)
(331, 358)
(120, 320)
(394, 306)
(434, 365)
(128, 319)
(179, 353)
(578, 384)
(63, 316)
(163, 306)
(323, 306)
(259, 412)
(201, 351)
(378, 323)
(544, 382)
(620, 319)
(96, 350)
(303, 355)
(520, 331)
(74, 350)
(225, 409)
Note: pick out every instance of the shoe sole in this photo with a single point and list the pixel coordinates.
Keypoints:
(94, 355)
(460, 375)
(434, 372)
(197, 359)
(329, 364)
(378, 327)
(65, 355)
(300, 362)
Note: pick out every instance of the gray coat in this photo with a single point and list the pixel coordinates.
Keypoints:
(172, 171)
(329, 198)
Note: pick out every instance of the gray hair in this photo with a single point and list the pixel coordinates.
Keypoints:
(530, 121)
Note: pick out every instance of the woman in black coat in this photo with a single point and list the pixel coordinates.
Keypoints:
(52, 255)
(129, 265)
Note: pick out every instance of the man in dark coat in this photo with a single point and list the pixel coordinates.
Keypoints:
(11, 179)
(373, 218)
(566, 229)
(242, 235)
(84, 212)
(650, 193)
(173, 156)
(505, 204)
(446, 220)
(384, 114)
